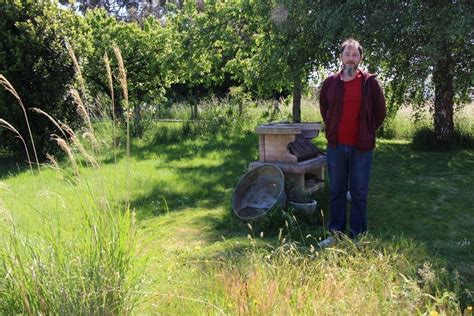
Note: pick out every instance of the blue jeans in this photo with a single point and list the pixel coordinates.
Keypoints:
(349, 169)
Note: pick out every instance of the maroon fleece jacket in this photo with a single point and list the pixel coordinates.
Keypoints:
(372, 110)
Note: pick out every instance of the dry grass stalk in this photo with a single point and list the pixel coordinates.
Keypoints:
(53, 161)
(67, 129)
(7, 85)
(112, 97)
(89, 158)
(101, 108)
(77, 68)
(68, 150)
(8, 126)
(50, 118)
(93, 139)
(55, 164)
(81, 109)
(122, 74)
(123, 84)
(111, 83)
(5, 187)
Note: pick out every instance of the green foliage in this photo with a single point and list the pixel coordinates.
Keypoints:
(425, 139)
(299, 195)
(423, 51)
(147, 51)
(216, 116)
(210, 39)
(34, 59)
(72, 257)
(267, 49)
(290, 41)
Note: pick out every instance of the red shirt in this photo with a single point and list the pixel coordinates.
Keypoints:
(349, 125)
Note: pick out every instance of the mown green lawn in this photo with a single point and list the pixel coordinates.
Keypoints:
(181, 192)
(426, 196)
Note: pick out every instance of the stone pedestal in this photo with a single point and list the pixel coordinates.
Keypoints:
(273, 148)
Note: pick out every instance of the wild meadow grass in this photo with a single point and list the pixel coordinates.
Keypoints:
(266, 276)
(67, 246)
(71, 246)
(368, 277)
(68, 241)
(87, 271)
(420, 132)
(198, 256)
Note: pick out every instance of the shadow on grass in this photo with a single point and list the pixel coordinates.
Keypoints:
(10, 167)
(423, 196)
(426, 196)
(207, 186)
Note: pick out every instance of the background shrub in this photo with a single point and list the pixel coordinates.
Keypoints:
(425, 139)
(35, 60)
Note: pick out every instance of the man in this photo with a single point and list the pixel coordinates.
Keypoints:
(352, 105)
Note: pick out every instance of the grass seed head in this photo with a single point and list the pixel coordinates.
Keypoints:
(51, 119)
(68, 150)
(77, 68)
(122, 73)
(81, 109)
(7, 85)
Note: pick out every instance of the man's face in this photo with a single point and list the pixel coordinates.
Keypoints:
(350, 59)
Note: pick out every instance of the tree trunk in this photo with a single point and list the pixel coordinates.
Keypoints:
(444, 99)
(195, 111)
(297, 101)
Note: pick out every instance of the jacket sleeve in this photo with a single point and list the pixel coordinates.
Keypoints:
(379, 107)
(323, 99)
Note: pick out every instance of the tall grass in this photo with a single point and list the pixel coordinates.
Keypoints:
(368, 278)
(7, 85)
(89, 269)
(90, 272)
(420, 131)
(10, 127)
(372, 277)
(123, 83)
